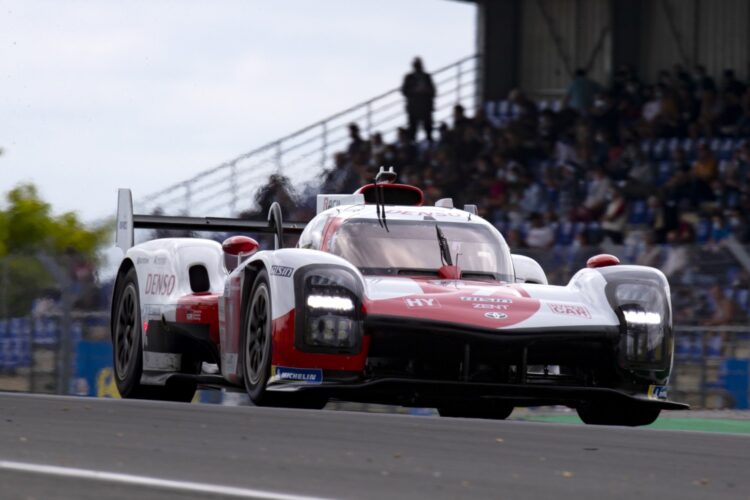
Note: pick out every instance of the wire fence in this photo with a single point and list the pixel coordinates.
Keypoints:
(302, 156)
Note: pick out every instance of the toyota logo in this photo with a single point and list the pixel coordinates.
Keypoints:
(495, 315)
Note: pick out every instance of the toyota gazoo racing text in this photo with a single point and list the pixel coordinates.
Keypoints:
(386, 300)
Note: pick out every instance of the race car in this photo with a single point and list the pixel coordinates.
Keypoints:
(385, 300)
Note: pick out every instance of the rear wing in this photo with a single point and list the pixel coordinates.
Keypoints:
(127, 222)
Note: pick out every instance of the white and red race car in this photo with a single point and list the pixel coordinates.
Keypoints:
(386, 300)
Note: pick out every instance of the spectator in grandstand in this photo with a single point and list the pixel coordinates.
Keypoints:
(581, 92)
(730, 83)
(540, 235)
(705, 167)
(599, 189)
(676, 254)
(615, 217)
(725, 312)
(701, 80)
(651, 255)
(357, 145)
(728, 120)
(419, 92)
(279, 189)
(710, 110)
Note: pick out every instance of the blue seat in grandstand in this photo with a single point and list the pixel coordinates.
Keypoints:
(565, 234)
(646, 145)
(742, 298)
(637, 212)
(691, 148)
(542, 105)
(673, 143)
(523, 229)
(557, 105)
(703, 231)
(726, 150)
(715, 145)
(659, 151)
(664, 172)
(503, 109)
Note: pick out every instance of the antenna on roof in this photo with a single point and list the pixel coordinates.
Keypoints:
(385, 176)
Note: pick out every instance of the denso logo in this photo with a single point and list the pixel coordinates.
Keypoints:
(160, 284)
(421, 303)
(570, 310)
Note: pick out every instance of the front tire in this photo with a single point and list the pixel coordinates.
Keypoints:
(257, 348)
(256, 341)
(127, 350)
(627, 416)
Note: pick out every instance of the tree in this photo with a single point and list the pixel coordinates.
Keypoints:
(28, 228)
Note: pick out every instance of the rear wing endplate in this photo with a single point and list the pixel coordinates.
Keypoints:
(127, 222)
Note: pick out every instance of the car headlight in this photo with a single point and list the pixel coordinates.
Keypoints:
(646, 326)
(329, 317)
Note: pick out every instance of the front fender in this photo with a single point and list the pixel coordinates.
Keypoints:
(640, 297)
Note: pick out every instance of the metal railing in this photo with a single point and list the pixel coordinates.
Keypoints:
(229, 188)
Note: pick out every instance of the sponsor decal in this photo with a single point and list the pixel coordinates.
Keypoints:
(194, 315)
(570, 310)
(307, 375)
(495, 315)
(123, 224)
(160, 284)
(160, 261)
(142, 260)
(283, 271)
(492, 300)
(657, 392)
(496, 307)
(411, 303)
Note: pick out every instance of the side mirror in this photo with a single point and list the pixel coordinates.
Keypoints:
(528, 270)
(236, 249)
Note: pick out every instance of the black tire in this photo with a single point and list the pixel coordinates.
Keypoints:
(257, 348)
(493, 410)
(628, 416)
(127, 351)
(256, 341)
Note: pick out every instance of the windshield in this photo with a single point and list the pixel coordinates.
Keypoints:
(412, 247)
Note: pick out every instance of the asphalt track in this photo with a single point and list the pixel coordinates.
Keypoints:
(62, 447)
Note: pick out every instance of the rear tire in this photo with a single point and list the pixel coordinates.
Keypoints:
(628, 416)
(127, 350)
(493, 410)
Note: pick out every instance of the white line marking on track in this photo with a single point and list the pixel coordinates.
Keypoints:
(167, 484)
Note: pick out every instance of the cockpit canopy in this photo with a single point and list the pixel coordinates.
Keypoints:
(411, 247)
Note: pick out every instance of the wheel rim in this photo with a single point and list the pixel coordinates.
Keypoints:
(126, 331)
(257, 336)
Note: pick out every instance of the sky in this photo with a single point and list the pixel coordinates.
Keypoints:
(96, 95)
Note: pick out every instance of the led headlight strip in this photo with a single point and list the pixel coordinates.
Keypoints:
(330, 303)
(642, 317)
